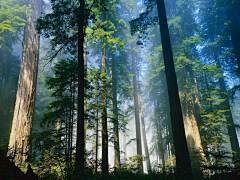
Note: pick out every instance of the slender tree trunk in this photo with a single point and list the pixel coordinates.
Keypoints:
(59, 125)
(96, 158)
(231, 127)
(144, 133)
(179, 138)
(85, 99)
(160, 145)
(137, 121)
(79, 163)
(115, 117)
(160, 150)
(25, 99)
(104, 107)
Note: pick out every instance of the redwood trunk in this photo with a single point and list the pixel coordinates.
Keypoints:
(104, 107)
(26, 93)
(190, 122)
(179, 138)
(79, 163)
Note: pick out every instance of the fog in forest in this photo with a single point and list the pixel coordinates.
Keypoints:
(101, 88)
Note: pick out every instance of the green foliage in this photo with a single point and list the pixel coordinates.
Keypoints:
(12, 15)
(131, 163)
(213, 111)
(64, 35)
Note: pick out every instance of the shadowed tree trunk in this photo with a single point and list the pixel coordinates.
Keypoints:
(85, 99)
(137, 121)
(179, 138)
(96, 157)
(104, 107)
(25, 99)
(115, 117)
(79, 163)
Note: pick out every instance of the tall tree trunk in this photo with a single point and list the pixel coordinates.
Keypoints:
(160, 150)
(137, 121)
(115, 117)
(85, 99)
(144, 133)
(197, 111)
(196, 102)
(160, 145)
(79, 163)
(96, 158)
(190, 122)
(25, 99)
(231, 127)
(104, 107)
(179, 138)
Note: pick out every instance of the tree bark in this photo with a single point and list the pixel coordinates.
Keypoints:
(85, 99)
(179, 138)
(96, 158)
(80, 160)
(26, 93)
(137, 121)
(115, 117)
(104, 107)
(190, 122)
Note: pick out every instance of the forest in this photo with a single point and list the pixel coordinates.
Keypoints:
(119, 89)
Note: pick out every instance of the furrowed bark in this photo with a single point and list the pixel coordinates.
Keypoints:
(104, 107)
(26, 93)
